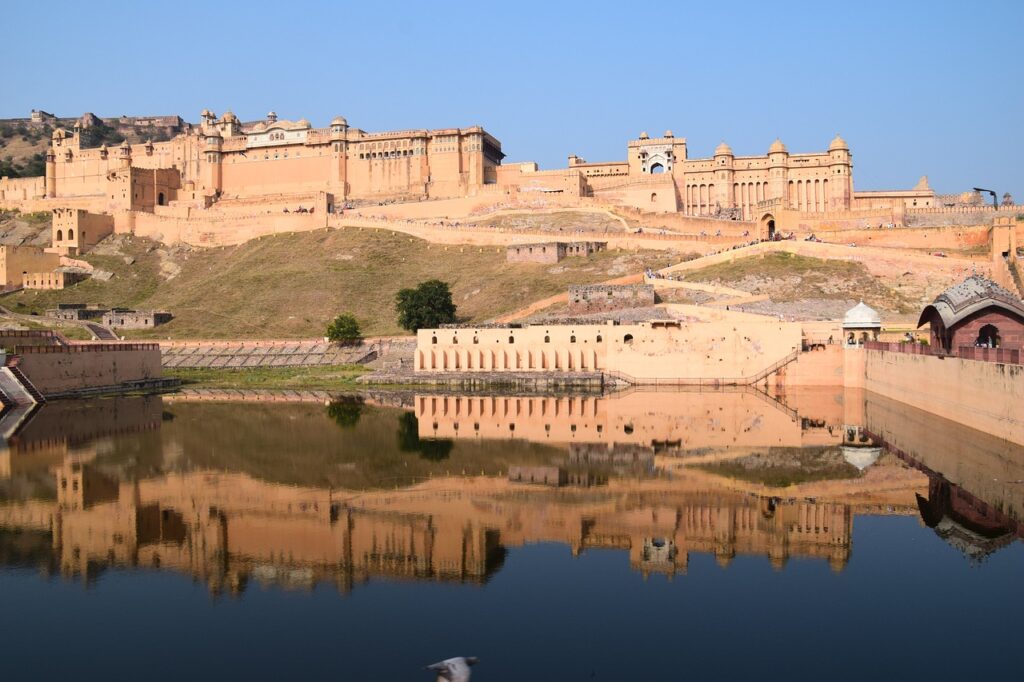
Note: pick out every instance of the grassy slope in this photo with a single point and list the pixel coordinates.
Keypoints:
(790, 277)
(290, 286)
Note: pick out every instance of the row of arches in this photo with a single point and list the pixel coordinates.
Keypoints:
(699, 198)
(473, 359)
(808, 196)
(746, 195)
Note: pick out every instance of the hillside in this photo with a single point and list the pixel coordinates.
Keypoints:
(809, 288)
(290, 286)
(23, 145)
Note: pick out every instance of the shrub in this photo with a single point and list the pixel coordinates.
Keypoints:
(344, 329)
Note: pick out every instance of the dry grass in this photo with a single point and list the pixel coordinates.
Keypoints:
(790, 277)
(290, 286)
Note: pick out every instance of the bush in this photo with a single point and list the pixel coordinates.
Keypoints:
(428, 305)
(344, 329)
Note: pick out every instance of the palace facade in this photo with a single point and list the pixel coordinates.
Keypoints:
(223, 157)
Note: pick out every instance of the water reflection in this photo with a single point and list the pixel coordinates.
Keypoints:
(441, 488)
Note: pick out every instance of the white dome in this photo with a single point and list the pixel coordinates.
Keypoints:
(862, 316)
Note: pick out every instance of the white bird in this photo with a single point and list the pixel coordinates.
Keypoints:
(454, 669)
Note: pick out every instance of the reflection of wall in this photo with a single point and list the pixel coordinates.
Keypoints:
(979, 462)
(663, 421)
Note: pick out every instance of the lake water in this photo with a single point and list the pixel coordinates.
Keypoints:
(720, 535)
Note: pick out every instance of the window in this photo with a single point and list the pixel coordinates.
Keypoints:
(599, 338)
(511, 339)
(572, 339)
(547, 339)
(433, 339)
(628, 338)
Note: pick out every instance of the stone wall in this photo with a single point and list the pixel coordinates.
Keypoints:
(551, 252)
(15, 261)
(65, 369)
(598, 298)
(982, 395)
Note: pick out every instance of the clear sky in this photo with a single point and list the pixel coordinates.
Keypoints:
(916, 88)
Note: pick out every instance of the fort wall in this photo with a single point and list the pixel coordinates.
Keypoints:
(17, 261)
(64, 369)
(596, 298)
(982, 395)
(728, 347)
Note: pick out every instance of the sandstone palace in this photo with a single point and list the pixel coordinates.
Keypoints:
(222, 158)
(224, 181)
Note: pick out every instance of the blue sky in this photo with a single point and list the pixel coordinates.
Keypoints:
(916, 88)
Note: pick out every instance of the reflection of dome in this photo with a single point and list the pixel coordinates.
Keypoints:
(723, 148)
(862, 316)
(838, 144)
(777, 147)
(861, 458)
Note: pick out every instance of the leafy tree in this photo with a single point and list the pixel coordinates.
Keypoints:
(346, 411)
(428, 305)
(430, 449)
(344, 329)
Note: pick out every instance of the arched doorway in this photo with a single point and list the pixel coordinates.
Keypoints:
(160, 199)
(768, 226)
(657, 168)
(654, 197)
(988, 336)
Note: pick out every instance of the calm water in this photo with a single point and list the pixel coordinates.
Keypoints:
(645, 536)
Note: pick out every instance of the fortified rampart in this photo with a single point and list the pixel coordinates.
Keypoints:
(986, 396)
(56, 370)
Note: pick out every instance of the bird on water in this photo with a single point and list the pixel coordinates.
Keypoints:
(454, 669)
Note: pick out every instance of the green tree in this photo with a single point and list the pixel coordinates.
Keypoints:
(430, 449)
(346, 411)
(344, 329)
(428, 305)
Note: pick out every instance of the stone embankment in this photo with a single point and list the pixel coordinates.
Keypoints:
(239, 354)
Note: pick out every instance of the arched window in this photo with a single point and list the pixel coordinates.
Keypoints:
(455, 340)
(572, 339)
(599, 338)
(628, 338)
(60, 235)
(511, 339)
(988, 336)
(433, 339)
(160, 199)
(71, 234)
(547, 339)
(476, 340)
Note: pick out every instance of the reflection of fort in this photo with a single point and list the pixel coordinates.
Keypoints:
(612, 487)
(226, 529)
